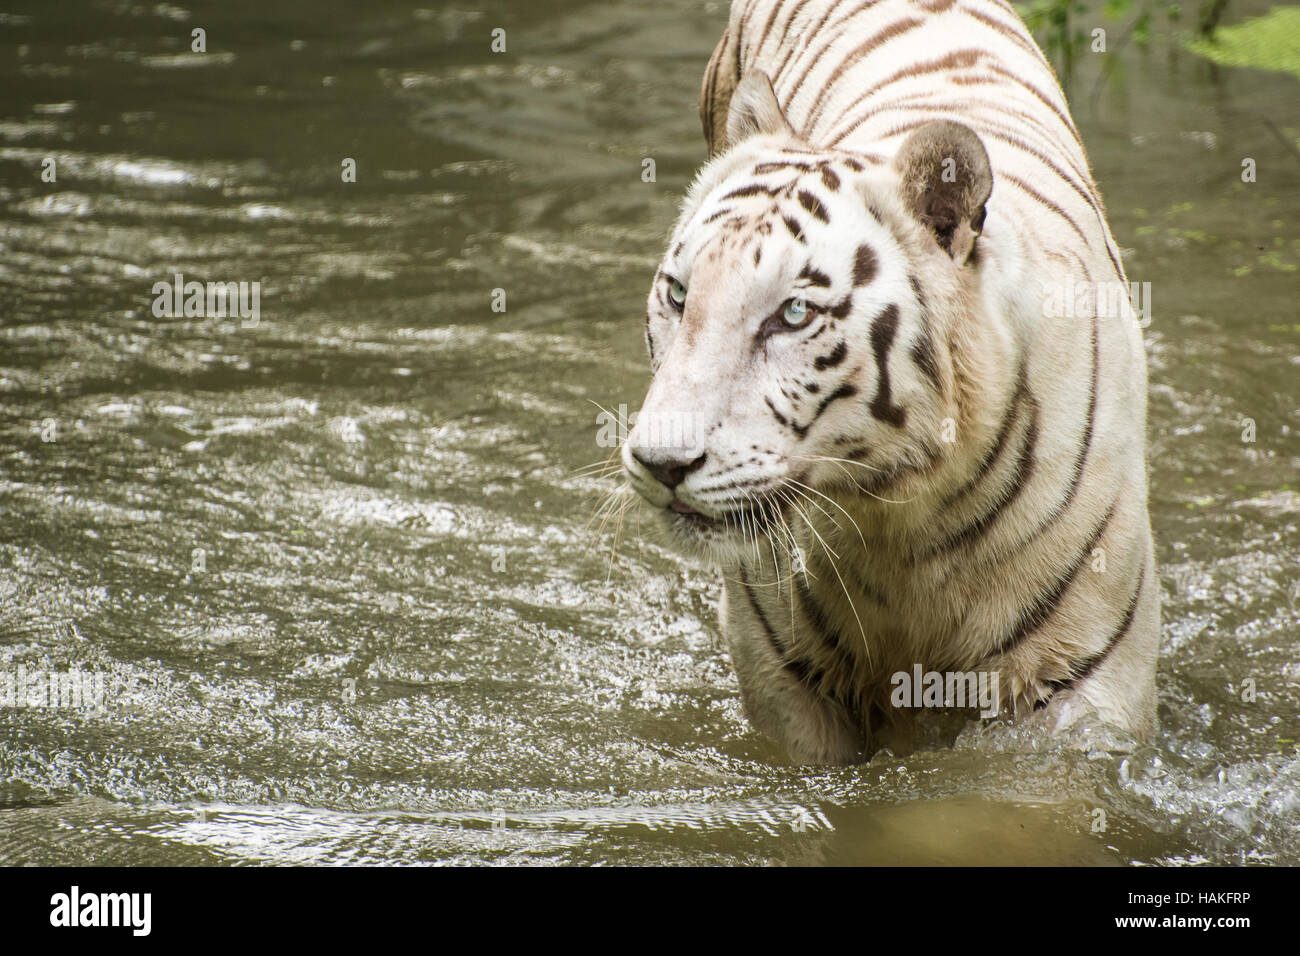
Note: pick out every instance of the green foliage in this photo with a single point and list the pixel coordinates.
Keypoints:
(1049, 20)
(1142, 29)
(1270, 42)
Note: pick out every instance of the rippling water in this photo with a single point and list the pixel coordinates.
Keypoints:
(338, 569)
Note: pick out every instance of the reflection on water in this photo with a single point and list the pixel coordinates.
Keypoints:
(338, 568)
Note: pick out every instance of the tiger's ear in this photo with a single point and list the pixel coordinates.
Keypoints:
(754, 110)
(945, 181)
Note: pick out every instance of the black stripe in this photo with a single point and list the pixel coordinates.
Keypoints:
(1014, 136)
(814, 206)
(711, 83)
(884, 35)
(779, 417)
(923, 356)
(732, 485)
(896, 472)
(842, 308)
(815, 612)
(1119, 269)
(1082, 669)
(836, 356)
(1045, 605)
(1084, 191)
(816, 615)
(917, 291)
(951, 61)
(753, 189)
(1041, 97)
(1011, 32)
(882, 337)
(796, 230)
(815, 277)
(771, 19)
(1024, 468)
(1081, 457)
(762, 169)
(810, 38)
(863, 588)
(800, 669)
(844, 391)
(740, 33)
(864, 265)
(991, 456)
(1046, 203)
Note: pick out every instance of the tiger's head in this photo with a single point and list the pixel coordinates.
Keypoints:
(796, 327)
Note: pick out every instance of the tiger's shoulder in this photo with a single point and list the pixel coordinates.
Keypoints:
(863, 76)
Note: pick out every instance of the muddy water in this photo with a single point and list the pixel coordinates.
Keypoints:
(336, 568)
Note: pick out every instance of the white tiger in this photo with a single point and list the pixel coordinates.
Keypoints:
(862, 406)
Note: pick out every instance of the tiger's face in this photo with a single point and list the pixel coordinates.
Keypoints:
(788, 348)
(792, 346)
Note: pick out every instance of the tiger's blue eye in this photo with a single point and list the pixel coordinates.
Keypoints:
(796, 313)
(677, 294)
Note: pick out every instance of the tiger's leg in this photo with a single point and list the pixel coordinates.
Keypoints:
(1120, 684)
(773, 686)
(1118, 680)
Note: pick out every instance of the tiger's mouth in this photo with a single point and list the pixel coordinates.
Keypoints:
(716, 528)
(744, 522)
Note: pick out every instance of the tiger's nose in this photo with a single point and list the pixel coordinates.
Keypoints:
(666, 469)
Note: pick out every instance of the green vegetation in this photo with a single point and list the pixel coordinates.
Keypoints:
(1270, 42)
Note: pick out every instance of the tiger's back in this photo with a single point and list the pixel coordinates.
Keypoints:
(986, 507)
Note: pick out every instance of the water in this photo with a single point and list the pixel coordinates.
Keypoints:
(338, 569)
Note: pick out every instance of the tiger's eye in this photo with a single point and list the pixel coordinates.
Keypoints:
(677, 293)
(796, 313)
